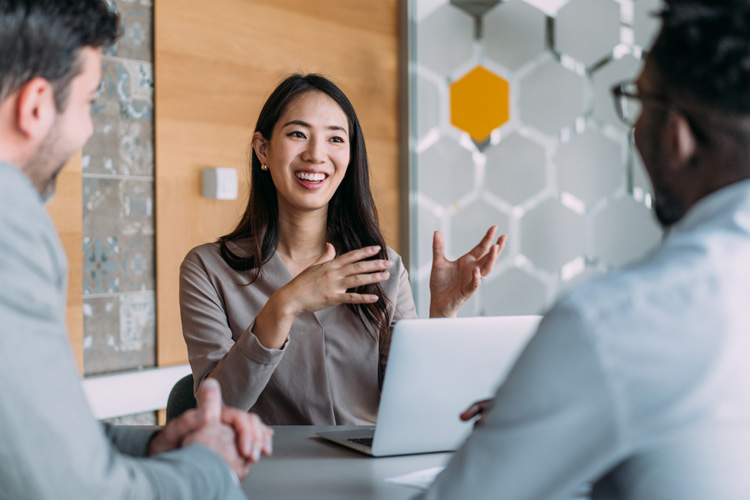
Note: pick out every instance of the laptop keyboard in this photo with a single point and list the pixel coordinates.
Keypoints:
(362, 441)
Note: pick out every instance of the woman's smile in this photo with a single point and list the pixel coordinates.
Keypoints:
(310, 179)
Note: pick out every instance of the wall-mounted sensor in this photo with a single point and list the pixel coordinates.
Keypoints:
(220, 183)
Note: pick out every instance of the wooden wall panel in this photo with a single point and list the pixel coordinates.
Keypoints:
(215, 63)
(66, 210)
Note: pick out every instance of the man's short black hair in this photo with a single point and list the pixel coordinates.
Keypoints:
(703, 51)
(42, 38)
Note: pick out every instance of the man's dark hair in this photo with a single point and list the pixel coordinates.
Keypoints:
(703, 51)
(42, 38)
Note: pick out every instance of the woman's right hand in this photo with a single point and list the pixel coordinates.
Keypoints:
(322, 285)
(325, 283)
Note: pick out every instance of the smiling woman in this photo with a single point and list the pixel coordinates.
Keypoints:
(292, 312)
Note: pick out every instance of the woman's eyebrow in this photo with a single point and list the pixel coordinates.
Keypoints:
(302, 123)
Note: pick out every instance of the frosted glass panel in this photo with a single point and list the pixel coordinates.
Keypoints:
(645, 24)
(445, 171)
(428, 108)
(588, 30)
(624, 229)
(470, 223)
(590, 166)
(514, 33)
(445, 39)
(552, 235)
(513, 124)
(516, 169)
(551, 97)
(514, 292)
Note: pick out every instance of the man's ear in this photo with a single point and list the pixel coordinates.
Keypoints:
(35, 109)
(680, 142)
(260, 146)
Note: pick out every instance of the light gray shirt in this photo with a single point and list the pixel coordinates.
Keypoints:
(51, 446)
(638, 382)
(326, 374)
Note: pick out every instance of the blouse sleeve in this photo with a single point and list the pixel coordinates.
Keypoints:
(242, 367)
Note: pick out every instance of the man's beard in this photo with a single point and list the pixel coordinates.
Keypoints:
(51, 152)
(667, 208)
(48, 192)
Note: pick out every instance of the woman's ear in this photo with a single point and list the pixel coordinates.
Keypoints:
(681, 144)
(260, 146)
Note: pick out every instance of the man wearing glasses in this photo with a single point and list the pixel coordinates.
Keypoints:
(639, 382)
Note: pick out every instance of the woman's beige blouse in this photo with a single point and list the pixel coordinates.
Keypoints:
(326, 373)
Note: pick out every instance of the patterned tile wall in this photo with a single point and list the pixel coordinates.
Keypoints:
(513, 124)
(118, 205)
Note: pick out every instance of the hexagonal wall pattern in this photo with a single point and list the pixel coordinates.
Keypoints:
(576, 216)
(469, 225)
(624, 231)
(590, 166)
(422, 296)
(516, 169)
(625, 68)
(514, 33)
(552, 235)
(441, 53)
(645, 23)
(551, 97)
(428, 106)
(549, 7)
(445, 171)
(588, 30)
(514, 292)
(427, 224)
(480, 102)
(475, 7)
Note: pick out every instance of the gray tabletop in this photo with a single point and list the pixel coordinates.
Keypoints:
(307, 467)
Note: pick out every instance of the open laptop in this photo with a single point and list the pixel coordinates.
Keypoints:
(436, 369)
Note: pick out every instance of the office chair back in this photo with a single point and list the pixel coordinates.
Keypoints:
(181, 398)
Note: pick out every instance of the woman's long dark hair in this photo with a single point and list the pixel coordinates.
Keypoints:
(352, 216)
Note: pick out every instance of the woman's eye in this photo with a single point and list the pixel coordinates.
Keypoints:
(298, 135)
(337, 139)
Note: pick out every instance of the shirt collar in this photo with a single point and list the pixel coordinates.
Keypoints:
(714, 205)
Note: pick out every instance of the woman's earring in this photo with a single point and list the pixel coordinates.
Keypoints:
(264, 167)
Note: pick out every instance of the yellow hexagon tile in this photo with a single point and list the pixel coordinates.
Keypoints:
(480, 102)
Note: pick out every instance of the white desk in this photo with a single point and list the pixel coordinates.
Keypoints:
(306, 467)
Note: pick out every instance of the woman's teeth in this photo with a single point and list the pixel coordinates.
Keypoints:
(316, 177)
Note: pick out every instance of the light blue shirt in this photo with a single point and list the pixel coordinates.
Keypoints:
(50, 444)
(638, 381)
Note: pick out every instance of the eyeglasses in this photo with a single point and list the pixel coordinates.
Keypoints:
(628, 102)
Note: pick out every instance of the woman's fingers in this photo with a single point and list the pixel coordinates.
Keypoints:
(438, 247)
(358, 298)
(366, 267)
(484, 245)
(358, 254)
(359, 280)
(487, 263)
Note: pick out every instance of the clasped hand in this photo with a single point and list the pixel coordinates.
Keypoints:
(237, 436)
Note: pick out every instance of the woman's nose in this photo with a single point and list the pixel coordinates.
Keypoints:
(315, 152)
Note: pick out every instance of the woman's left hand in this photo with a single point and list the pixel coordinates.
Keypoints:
(453, 282)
